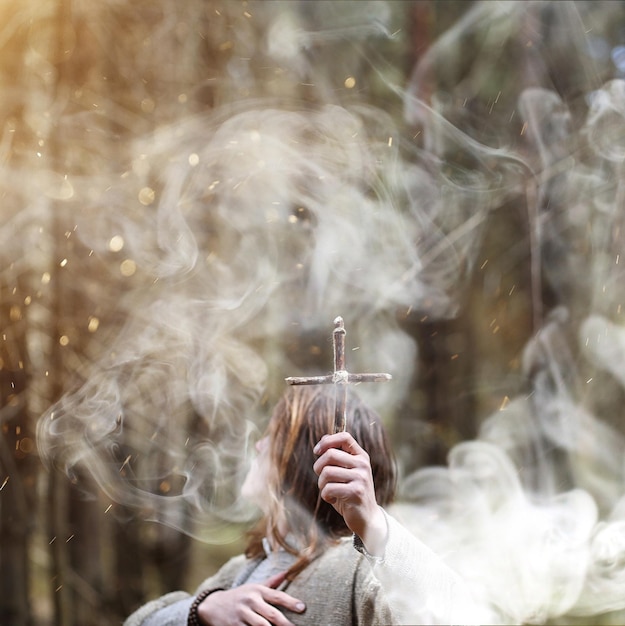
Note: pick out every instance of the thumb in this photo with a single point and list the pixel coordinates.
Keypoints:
(276, 580)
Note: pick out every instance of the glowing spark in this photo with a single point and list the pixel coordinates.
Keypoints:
(63, 263)
(125, 463)
(93, 324)
(484, 264)
(52, 540)
(69, 538)
(64, 340)
(504, 403)
(524, 128)
(108, 508)
(350, 82)
(589, 380)
(6, 480)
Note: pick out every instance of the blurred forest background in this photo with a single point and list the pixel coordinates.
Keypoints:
(486, 142)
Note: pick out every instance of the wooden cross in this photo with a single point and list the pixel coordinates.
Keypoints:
(340, 378)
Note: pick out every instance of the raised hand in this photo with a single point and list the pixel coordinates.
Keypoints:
(346, 482)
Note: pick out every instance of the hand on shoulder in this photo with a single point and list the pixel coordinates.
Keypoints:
(247, 604)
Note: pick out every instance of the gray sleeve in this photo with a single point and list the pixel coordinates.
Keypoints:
(173, 615)
(169, 610)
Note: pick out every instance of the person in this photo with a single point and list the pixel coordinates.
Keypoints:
(325, 552)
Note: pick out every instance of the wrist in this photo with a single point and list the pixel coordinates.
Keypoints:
(193, 618)
(374, 534)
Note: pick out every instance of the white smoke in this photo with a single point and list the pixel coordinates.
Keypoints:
(247, 227)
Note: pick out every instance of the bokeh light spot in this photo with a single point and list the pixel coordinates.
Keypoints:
(146, 196)
(128, 267)
(116, 243)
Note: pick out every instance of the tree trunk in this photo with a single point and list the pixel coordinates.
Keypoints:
(17, 471)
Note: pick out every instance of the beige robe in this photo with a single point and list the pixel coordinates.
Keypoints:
(338, 588)
(412, 585)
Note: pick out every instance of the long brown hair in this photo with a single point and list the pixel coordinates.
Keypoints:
(302, 416)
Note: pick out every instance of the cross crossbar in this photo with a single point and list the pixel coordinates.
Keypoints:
(340, 378)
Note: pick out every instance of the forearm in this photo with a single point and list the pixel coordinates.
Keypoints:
(172, 615)
(169, 610)
(374, 533)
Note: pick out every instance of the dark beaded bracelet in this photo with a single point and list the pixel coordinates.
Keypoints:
(194, 618)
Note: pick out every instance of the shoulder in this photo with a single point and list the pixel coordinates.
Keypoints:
(339, 588)
(223, 578)
(340, 562)
(342, 555)
(226, 574)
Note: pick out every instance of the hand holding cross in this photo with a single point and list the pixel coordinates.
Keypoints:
(340, 377)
